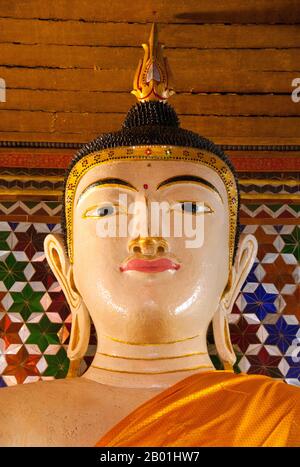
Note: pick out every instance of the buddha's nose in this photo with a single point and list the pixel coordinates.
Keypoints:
(148, 246)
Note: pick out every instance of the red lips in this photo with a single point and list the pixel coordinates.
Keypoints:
(146, 265)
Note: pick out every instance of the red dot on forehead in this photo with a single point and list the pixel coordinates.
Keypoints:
(145, 186)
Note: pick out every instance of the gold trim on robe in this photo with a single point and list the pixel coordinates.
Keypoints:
(214, 408)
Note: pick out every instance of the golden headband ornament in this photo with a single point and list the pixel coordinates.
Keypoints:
(151, 83)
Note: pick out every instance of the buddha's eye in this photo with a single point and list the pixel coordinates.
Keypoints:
(193, 207)
(99, 212)
(105, 211)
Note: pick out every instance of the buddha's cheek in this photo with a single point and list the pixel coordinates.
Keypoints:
(199, 284)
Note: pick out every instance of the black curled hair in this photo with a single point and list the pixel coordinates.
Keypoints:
(150, 123)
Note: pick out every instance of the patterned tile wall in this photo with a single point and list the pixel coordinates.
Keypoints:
(35, 320)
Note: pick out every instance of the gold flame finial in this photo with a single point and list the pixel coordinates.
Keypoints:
(152, 81)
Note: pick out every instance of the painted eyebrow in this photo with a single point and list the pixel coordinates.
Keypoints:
(115, 182)
(191, 179)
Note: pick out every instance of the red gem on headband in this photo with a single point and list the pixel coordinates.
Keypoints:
(145, 186)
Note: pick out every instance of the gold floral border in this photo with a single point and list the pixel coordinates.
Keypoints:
(155, 152)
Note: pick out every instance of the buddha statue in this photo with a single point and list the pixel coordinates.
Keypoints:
(151, 291)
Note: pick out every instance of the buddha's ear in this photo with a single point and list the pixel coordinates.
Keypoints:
(244, 260)
(61, 268)
(245, 257)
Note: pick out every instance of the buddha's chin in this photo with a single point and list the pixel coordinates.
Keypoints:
(150, 277)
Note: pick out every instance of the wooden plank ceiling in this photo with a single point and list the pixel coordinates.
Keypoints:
(69, 67)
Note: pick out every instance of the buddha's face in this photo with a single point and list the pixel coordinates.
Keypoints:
(143, 287)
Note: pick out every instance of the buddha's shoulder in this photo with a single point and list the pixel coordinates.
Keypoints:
(34, 394)
(45, 406)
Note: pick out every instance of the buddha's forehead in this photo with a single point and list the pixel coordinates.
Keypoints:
(138, 173)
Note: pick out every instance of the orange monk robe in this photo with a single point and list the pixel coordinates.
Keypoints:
(215, 408)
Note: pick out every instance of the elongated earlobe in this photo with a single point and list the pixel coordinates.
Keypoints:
(79, 338)
(63, 271)
(222, 338)
(243, 263)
